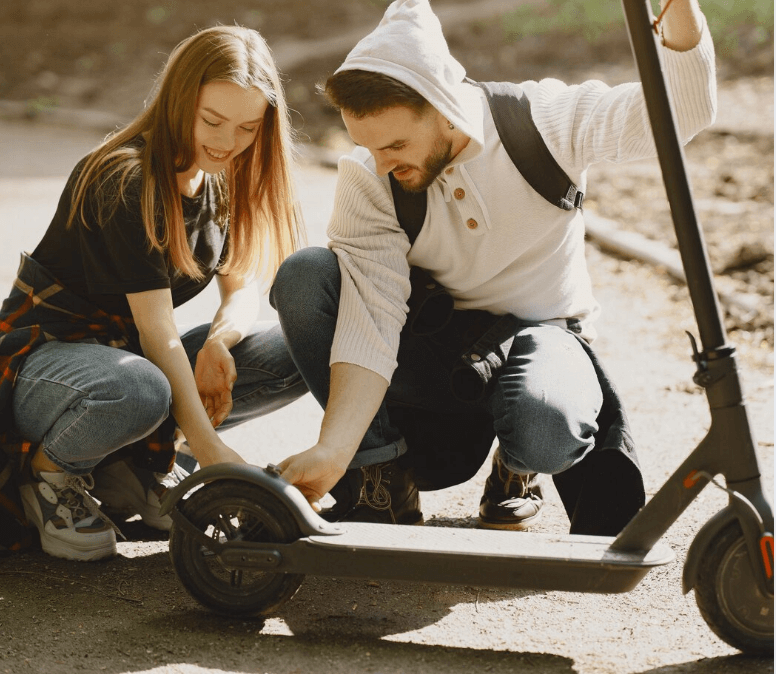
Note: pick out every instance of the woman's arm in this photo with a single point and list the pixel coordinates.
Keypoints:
(215, 372)
(238, 311)
(153, 315)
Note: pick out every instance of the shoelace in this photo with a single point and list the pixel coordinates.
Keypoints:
(379, 498)
(75, 486)
(513, 478)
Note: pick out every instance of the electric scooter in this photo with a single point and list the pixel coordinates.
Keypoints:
(243, 539)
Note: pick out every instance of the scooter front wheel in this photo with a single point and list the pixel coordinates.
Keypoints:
(233, 510)
(729, 597)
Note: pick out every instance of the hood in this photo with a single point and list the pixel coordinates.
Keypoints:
(409, 46)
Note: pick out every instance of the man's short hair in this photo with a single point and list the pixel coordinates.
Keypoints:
(361, 93)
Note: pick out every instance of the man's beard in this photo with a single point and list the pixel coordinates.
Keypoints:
(433, 165)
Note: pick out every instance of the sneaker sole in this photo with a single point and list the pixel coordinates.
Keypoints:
(56, 547)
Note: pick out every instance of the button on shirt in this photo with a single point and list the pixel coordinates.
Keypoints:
(460, 194)
(497, 245)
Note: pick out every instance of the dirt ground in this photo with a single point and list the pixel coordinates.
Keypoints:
(132, 615)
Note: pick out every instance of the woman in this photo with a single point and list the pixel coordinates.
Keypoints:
(197, 186)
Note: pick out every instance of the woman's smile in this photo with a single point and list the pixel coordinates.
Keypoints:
(215, 155)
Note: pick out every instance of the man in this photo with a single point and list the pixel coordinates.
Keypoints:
(392, 419)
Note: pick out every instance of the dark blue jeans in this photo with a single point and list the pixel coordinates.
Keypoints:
(544, 402)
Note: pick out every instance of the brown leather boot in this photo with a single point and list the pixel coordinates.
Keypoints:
(383, 493)
(510, 500)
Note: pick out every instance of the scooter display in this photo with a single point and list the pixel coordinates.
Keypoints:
(243, 539)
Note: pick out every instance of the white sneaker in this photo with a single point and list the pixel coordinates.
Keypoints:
(68, 520)
(124, 490)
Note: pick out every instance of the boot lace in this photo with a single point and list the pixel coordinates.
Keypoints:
(519, 481)
(508, 478)
(373, 491)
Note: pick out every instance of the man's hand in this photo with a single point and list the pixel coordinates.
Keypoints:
(355, 396)
(314, 472)
(682, 24)
(215, 374)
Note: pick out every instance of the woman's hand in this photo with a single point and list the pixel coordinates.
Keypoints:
(215, 375)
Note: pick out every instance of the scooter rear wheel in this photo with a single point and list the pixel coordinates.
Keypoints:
(728, 595)
(233, 510)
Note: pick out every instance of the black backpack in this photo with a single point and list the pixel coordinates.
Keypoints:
(525, 146)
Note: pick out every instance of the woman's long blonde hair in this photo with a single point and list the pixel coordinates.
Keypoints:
(255, 192)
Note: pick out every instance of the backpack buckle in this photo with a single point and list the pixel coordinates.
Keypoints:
(574, 196)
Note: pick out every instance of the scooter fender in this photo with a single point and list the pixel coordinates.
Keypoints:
(309, 522)
(700, 543)
(763, 573)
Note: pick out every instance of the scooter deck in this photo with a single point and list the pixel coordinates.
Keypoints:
(476, 557)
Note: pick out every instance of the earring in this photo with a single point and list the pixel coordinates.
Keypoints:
(450, 126)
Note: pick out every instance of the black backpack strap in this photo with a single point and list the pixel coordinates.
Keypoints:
(410, 208)
(525, 146)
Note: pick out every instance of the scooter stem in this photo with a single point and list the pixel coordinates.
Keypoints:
(729, 448)
(692, 247)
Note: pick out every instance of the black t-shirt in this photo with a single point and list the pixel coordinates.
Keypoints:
(104, 263)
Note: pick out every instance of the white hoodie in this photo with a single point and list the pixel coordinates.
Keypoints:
(492, 241)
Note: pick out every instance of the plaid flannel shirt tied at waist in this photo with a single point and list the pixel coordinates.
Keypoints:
(39, 310)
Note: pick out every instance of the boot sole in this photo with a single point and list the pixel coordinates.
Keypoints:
(522, 525)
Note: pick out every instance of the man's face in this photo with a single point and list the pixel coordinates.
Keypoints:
(415, 148)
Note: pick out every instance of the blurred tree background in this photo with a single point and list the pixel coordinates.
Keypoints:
(81, 58)
(96, 55)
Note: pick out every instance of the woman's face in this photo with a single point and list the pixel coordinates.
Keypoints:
(226, 122)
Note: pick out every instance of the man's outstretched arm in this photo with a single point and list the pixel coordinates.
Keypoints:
(355, 396)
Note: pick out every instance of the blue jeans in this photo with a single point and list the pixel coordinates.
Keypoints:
(83, 401)
(544, 403)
